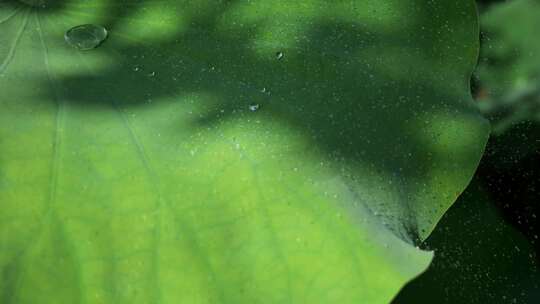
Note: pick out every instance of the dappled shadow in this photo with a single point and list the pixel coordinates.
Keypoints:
(361, 95)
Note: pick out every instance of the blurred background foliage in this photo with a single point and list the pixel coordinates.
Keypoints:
(487, 245)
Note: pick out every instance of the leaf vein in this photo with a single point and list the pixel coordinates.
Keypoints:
(15, 42)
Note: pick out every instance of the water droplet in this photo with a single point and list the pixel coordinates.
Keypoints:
(254, 107)
(85, 37)
(279, 55)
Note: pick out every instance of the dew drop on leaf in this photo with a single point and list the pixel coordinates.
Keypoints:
(254, 107)
(279, 55)
(86, 37)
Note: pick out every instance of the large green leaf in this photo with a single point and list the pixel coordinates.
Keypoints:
(230, 151)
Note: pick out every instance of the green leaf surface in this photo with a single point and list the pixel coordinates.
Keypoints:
(230, 151)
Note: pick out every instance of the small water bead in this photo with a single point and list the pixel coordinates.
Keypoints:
(279, 55)
(254, 107)
(85, 37)
(265, 91)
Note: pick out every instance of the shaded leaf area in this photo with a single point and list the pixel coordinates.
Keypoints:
(486, 250)
(230, 151)
(479, 258)
(485, 4)
(509, 68)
